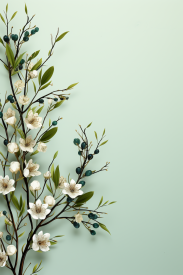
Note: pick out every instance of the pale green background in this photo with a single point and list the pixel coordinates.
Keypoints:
(127, 57)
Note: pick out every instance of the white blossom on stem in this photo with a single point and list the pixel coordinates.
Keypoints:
(41, 242)
(42, 147)
(23, 99)
(72, 189)
(49, 200)
(19, 84)
(27, 144)
(13, 147)
(78, 218)
(6, 185)
(31, 169)
(33, 121)
(38, 210)
(14, 167)
(11, 250)
(3, 258)
(9, 117)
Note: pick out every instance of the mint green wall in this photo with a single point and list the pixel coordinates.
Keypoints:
(127, 58)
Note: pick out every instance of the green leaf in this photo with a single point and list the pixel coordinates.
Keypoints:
(21, 202)
(34, 86)
(104, 227)
(49, 122)
(55, 155)
(72, 85)
(18, 60)
(89, 125)
(49, 134)
(52, 171)
(6, 8)
(2, 18)
(49, 189)
(1, 41)
(96, 135)
(58, 104)
(45, 86)
(100, 202)
(39, 110)
(35, 152)
(34, 269)
(10, 55)
(21, 234)
(84, 198)
(21, 133)
(22, 210)
(59, 236)
(2, 154)
(26, 9)
(112, 202)
(47, 75)
(105, 203)
(61, 36)
(37, 65)
(39, 77)
(103, 133)
(15, 202)
(6, 67)
(103, 142)
(33, 55)
(56, 176)
(13, 15)
(23, 247)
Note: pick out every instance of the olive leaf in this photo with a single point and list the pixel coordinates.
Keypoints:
(71, 86)
(15, 202)
(103, 142)
(13, 15)
(26, 9)
(21, 133)
(33, 55)
(61, 36)
(21, 234)
(100, 202)
(49, 189)
(39, 110)
(48, 135)
(18, 60)
(22, 209)
(2, 18)
(37, 65)
(47, 75)
(45, 86)
(84, 198)
(56, 176)
(10, 55)
(55, 155)
(1, 41)
(104, 227)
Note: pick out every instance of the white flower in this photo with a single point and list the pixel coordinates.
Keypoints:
(23, 99)
(14, 167)
(38, 210)
(1, 214)
(49, 200)
(78, 218)
(11, 250)
(31, 169)
(6, 185)
(13, 147)
(9, 117)
(42, 147)
(27, 144)
(30, 66)
(33, 121)
(1, 235)
(3, 258)
(35, 186)
(72, 189)
(19, 84)
(62, 180)
(33, 74)
(50, 101)
(41, 242)
(47, 175)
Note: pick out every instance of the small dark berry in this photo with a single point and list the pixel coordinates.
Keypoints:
(96, 225)
(83, 145)
(33, 32)
(5, 142)
(96, 151)
(20, 67)
(76, 141)
(4, 212)
(78, 170)
(6, 39)
(22, 61)
(12, 36)
(90, 156)
(9, 97)
(61, 98)
(76, 225)
(12, 100)
(95, 217)
(36, 29)
(1, 114)
(88, 173)
(26, 38)
(92, 232)
(69, 199)
(90, 215)
(41, 100)
(54, 123)
(8, 238)
(80, 153)
(15, 37)
(67, 98)
(55, 99)
(82, 182)
(26, 33)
